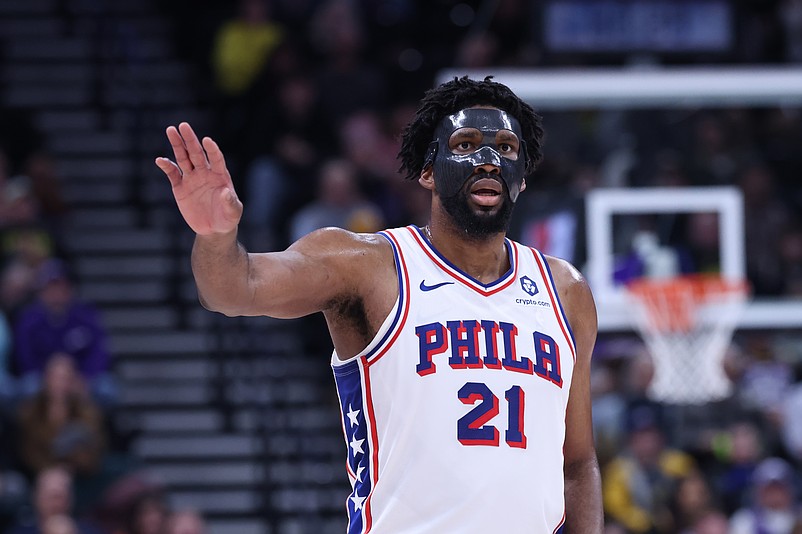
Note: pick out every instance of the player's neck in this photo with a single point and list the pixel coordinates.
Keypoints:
(484, 259)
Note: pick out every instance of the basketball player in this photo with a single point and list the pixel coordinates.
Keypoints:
(461, 357)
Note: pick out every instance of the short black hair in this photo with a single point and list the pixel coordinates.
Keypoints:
(458, 94)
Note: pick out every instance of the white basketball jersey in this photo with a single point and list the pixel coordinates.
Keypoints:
(454, 415)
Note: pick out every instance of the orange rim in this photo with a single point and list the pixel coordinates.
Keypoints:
(671, 304)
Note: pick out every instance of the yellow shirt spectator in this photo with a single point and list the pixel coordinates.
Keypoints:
(241, 51)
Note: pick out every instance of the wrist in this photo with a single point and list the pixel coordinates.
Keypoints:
(218, 238)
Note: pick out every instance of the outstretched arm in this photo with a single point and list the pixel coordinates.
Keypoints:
(583, 502)
(301, 280)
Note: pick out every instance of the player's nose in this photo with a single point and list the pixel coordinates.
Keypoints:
(486, 168)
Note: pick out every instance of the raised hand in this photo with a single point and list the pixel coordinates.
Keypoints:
(201, 183)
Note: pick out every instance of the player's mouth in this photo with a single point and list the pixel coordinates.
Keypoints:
(487, 192)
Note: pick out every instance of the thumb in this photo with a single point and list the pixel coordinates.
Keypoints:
(232, 207)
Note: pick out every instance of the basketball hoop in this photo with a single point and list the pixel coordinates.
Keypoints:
(687, 323)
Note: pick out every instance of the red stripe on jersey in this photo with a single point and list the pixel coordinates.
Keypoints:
(560, 524)
(374, 447)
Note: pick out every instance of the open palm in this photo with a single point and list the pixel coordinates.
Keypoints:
(201, 183)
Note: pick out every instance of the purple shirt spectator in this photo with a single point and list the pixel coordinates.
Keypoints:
(39, 334)
(59, 322)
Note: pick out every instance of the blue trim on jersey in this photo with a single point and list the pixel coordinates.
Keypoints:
(345, 369)
(348, 379)
(401, 295)
(557, 297)
(463, 273)
(560, 530)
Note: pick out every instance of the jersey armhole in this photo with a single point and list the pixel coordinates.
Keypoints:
(395, 318)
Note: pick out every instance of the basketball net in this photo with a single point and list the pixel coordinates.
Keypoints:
(687, 323)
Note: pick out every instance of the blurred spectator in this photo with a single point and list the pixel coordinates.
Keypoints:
(638, 484)
(242, 49)
(611, 527)
(639, 375)
(28, 248)
(765, 217)
(18, 204)
(692, 500)
(114, 510)
(478, 50)
(710, 522)
(367, 145)
(513, 26)
(669, 170)
(608, 396)
(148, 514)
(61, 424)
(24, 243)
(703, 247)
(779, 130)
(243, 46)
(410, 205)
(59, 322)
(714, 161)
(185, 522)
(774, 510)
(60, 524)
(792, 418)
(765, 379)
(53, 502)
(350, 82)
(743, 452)
(14, 497)
(40, 168)
(339, 204)
(289, 138)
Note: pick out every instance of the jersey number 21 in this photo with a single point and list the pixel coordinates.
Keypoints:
(471, 428)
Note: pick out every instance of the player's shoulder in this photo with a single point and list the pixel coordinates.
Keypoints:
(575, 295)
(567, 278)
(337, 245)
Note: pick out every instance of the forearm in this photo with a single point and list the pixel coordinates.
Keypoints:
(221, 267)
(583, 501)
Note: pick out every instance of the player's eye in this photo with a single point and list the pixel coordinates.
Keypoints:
(506, 148)
(465, 145)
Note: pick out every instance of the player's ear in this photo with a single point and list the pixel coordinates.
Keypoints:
(523, 186)
(427, 178)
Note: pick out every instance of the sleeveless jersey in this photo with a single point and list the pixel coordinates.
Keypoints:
(454, 414)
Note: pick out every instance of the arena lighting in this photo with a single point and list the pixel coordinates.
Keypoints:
(638, 87)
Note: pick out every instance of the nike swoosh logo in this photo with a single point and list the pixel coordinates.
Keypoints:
(424, 287)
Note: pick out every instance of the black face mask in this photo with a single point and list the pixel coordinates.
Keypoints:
(451, 171)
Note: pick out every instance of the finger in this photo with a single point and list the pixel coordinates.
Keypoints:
(215, 155)
(170, 169)
(194, 148)
(179, 149)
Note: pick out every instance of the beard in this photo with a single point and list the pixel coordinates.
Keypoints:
(479, 222)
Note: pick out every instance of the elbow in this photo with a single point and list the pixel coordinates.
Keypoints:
(582, 467)
(220, 307)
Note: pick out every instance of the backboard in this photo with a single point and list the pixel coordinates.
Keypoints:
(607, 208)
